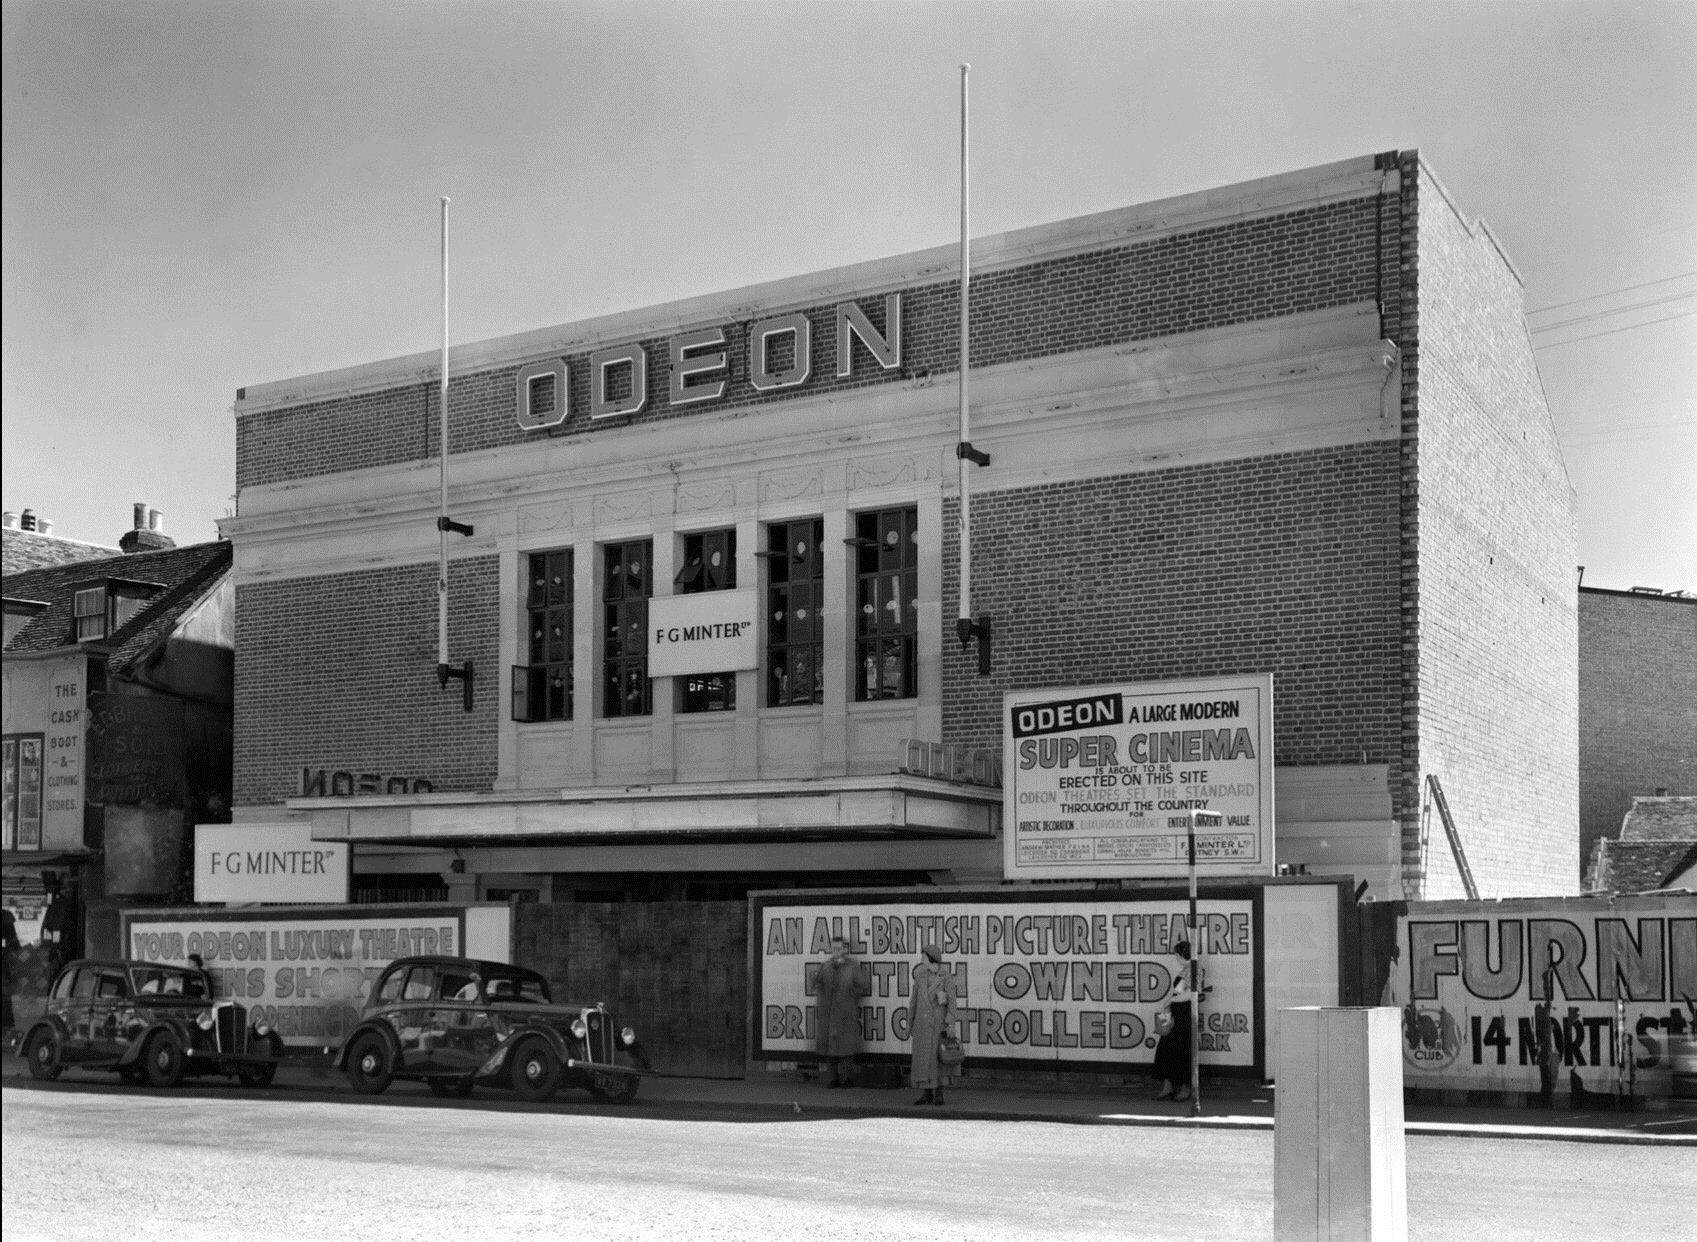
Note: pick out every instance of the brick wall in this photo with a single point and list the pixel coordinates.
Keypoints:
(1303, 260)
(339, 672)
(1286, 564)
(1637, 705)
(1497, 690)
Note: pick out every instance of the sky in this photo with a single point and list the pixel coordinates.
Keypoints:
(205, 194)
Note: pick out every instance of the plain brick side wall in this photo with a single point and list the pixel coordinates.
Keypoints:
(1637, 705)
(339, 672)
(1303, 260)
(1286, 564)
(1497, 637)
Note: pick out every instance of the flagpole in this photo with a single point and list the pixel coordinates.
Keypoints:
(442, 511)
(964, 622)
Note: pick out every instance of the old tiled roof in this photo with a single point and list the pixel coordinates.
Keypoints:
(185, 574)
(1661, 819)
(1658, 841)
(1637, 866)
(24, 550)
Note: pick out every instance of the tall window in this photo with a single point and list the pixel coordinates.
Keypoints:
(627, 583)
(886, 603)
(542, 689)
(20, 823)
(795, 633)
(709, 564)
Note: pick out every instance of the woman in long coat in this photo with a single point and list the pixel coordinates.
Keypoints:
(932, 1007)
(1173, 1050)
(838, 1030)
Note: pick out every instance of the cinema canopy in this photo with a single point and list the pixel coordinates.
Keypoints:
(1288, 429)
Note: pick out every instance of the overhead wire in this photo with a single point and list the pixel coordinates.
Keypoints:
(1592, 297)
(1588, 336)
(1617, 310)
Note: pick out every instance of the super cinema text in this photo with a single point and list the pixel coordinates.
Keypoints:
(1062, 959)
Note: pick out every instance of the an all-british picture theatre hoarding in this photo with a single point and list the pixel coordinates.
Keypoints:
(1061, 977)
(306, 970)
(1619, 975)
(1099, 781)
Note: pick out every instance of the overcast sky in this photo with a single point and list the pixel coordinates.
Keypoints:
(200, 195)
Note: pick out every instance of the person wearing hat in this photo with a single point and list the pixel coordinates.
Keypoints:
(1172, 1050)
(932, 1006)
(840, 988)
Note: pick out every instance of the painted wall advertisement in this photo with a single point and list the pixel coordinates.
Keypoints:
(1611, 981)
(1100, 781)
(307, 972)
(1071, 981)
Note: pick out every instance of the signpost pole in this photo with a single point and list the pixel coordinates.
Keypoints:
(1195, 995)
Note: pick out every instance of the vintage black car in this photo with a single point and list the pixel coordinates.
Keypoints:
(149, 1021)
(455, 1022)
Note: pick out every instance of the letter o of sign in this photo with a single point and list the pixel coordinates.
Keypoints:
(543, 394)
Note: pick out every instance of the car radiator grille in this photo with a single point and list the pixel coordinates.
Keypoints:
(600, 1041)
(231, 1028)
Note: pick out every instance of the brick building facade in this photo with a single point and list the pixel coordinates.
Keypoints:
(1289, 427)
(1638, 705)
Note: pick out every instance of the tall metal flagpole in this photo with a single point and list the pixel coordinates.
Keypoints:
(445, 524)
(442, 510)
(966, 627)
(964, 621)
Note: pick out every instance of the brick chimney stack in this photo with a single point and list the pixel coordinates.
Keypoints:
(148, 534)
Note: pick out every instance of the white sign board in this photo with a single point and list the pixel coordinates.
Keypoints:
(1099, 781)
(708, 632)
(307, 972)
(277, 863)
(1063, 981)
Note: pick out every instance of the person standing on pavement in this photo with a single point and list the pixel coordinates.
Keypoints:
(8, 964)
(932, 1006)
(1172, 1051)
(838, 1030)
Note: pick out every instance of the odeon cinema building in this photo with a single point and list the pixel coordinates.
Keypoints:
(704, 563)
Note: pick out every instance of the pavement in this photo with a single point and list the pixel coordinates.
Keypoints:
(1232, 1104)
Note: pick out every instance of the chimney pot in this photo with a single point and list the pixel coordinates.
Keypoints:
(9, 520)
(140, 522)
(44, 526)
(155, 520)
(28, 520)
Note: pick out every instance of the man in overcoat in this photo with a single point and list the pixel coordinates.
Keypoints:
(840, 989)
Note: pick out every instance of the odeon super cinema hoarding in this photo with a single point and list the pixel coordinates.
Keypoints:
(1065, 978)
(1100, 781)
(306, 970)
(1469, 978)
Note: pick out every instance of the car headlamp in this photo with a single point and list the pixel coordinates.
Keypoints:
(204, 1020)
(627, 1036)
(579, 1030)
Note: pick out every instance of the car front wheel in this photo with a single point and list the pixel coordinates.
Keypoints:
(536, 1070)
(370, 1067)
(162, 1059)
(46, 1055)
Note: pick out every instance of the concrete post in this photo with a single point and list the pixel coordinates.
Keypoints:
(1338, 1144)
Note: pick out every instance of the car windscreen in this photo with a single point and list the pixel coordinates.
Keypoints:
(164, 981)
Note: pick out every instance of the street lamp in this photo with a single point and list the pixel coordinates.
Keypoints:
(1208, 819)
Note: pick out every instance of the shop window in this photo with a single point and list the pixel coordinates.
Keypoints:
(542, 689)
(101, 609)
(21, 760)
(795, 632)
(626, 585)
(886, 581)
(709, 564)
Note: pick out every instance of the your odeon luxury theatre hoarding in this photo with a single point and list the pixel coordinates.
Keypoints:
(1100, 781)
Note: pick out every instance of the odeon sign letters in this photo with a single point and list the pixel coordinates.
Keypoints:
(700, 365)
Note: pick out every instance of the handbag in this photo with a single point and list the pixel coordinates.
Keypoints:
(949, 1050)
